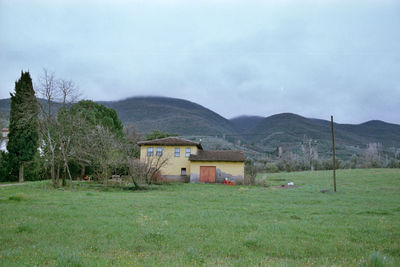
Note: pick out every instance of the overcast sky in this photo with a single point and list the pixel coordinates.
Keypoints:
(313, 58)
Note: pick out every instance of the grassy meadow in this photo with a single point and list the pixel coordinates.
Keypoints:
(206, 224)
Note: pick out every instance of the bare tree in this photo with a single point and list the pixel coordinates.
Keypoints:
(66, 124)
(48, 122)
(372, 155)
(56, 134)
(99, 148)
(68, 92)
(146, 170)
(310, 153)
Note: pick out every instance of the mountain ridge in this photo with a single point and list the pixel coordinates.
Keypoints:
(262, 134)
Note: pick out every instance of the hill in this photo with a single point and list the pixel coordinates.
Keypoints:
(162, 113)
(244, 123)
(257, 136)
(171, 115)
(291, 131)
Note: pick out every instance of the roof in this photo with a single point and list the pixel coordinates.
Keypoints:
(218, 155)
(170, 141)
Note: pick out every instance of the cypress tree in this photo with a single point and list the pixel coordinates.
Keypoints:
(23, 136)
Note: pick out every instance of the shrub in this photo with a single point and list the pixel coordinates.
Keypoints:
(393, 163)
(159, 179)
(250, 173)
(272, 168)
(262, 181)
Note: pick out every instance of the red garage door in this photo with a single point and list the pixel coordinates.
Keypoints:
(208, 174)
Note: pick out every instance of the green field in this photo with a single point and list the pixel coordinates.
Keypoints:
(200, 224)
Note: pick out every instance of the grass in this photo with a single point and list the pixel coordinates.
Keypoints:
(203, 224)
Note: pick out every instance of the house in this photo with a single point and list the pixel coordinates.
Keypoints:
(186, 160)
(4, 132)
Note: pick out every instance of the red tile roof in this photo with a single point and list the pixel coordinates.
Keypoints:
(218, 155)
(170, 141)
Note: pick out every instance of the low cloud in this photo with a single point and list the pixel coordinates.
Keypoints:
(233, 57)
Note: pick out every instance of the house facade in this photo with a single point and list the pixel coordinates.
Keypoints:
(185, 160)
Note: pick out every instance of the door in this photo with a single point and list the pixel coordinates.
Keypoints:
(208, 174)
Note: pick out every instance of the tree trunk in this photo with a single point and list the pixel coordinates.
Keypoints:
(58, 172)
(69, 174)
(64, 182)
(21, 172)
(137, 186)
(53, 176)
(83, 171)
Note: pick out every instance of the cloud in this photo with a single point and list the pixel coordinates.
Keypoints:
(235, 57)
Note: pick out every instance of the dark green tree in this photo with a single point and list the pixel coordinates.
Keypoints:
(96, 114)
(23, 137)
(97, 136)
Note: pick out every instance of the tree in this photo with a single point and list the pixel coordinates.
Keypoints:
(148, 169)
(97, 136)
(250, 172)
(56, 127)
(48, 122)
(310, 153)
(96, 114)
(372, 156)
(3, 166)
(23, 137)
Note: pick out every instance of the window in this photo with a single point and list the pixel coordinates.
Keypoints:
(177, 152)
(159, 151)
(188, 152)
(150, 151)
(183, 171)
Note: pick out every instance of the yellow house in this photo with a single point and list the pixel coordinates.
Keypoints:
(185, 160)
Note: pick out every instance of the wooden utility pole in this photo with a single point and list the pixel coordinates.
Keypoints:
(333, 156)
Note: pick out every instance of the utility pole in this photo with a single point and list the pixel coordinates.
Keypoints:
(333, 156)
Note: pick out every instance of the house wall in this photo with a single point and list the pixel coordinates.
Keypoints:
(234, 171)
(172, 170)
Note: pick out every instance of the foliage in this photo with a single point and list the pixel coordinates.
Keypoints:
(95, 114)
(107, 148)
(206, 224)
(3, 120)
(132, 137)
(94, 146)
(23, 136)
(55, 137)
(271, 167)
(393, 163)
(3, 167)
(34, 169)
(147, 171)
(250, 172)
(156, 134)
